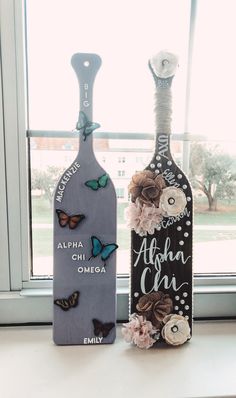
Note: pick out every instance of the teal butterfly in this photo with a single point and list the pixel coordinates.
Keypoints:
(99, 248)
(101, 182)
(85, 126)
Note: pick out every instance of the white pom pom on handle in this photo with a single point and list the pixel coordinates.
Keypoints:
(164, 64)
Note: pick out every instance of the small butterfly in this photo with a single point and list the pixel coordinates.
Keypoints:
(96, 184)
(71, 302)
(85, 126)
(73, 221)
(102, 328)
(100, 248)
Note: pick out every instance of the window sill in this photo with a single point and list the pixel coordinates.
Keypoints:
(204, 367)
(35, 304)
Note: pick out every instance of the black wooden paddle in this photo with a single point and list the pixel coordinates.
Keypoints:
(162, 261)
(84, 288)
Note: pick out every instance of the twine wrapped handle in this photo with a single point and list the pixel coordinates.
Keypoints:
(163, 66)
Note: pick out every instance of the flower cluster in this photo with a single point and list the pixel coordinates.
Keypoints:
(154, 319)
(139, 331)
(151, 201)
(143, 219)
(155, 306)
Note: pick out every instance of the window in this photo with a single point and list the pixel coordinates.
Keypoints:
(121, 159)
(120, 192)
(202, 128)
(121, 173)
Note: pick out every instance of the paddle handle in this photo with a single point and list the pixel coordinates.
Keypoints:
(86, 67)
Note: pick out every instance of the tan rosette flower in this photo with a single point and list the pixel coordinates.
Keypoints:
(172, 201)
(147, 187)
(176, 330)
(155, 306)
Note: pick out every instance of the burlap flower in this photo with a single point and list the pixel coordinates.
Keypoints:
(172, 201)
(155, 306)
(176, 330)
(147, 187)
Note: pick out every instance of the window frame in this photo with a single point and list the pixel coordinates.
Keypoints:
(22, 299)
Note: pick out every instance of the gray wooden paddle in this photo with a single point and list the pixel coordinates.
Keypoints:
(84, 285)
(163, 261)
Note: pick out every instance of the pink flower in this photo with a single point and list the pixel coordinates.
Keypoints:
(143, 219)
(139, 331)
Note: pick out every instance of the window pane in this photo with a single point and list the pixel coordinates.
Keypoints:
(213, 177)
(125, 35)
(49, 156)
(212, 114)
(212, 110)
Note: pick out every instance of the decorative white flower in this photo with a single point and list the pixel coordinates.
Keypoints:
(164, 64)
(176, 330)
(143, 219)
(172, 201)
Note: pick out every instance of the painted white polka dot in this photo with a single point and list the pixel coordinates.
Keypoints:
(185, 186)
(169, 163)
(180, 312)
(186, 234)
(186, 307)
(158, 157)
(179, 228)
(136, 294)
(176, 298)
(189, 199)
(159, 165)
(157, 171)
(181, 242)
(159, 228)
(176, 308)
(185, 294)
(152, 165)
(182, 301)
(187, 317)
(188, 222)
(179, 176)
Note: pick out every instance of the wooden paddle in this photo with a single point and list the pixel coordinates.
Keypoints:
(162, 261)
(84, 285)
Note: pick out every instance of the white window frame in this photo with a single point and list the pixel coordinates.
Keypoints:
(24, 300)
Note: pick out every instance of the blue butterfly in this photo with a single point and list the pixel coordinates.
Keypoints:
(85, 126)
(99, 248)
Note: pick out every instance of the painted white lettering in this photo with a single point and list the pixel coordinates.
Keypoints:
(153, 257)
(78, 257)
(93, 340)
(65, 179)
(91, 270)
(163, 145)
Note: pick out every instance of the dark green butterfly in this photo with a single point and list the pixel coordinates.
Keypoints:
(85, 126)
(101, 182)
